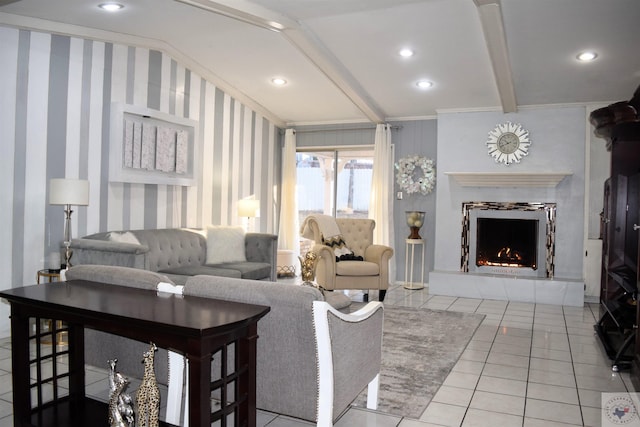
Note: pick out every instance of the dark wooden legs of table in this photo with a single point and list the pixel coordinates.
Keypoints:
(40, 371)
(247, 386)
(234, 384)
(20, 366)
(240, 404)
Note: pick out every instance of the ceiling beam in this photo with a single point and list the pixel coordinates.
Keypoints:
(244, 11)
(304, 40)
(334, 70)
(490, 12)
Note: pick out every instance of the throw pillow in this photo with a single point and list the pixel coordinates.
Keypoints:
(338, 245)
(225, 244)
(126, 237)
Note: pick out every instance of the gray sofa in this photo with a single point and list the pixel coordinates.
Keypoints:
(287, 357)
(178, 253)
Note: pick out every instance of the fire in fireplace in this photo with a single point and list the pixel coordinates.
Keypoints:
(507, 242)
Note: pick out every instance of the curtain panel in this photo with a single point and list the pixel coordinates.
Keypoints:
(381, 201)
(289, 233)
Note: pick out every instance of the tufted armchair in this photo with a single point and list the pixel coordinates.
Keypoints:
(372, 273)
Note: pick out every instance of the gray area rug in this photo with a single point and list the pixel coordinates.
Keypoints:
(420, 347)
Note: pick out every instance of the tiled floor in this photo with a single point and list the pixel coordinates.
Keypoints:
(527, 365)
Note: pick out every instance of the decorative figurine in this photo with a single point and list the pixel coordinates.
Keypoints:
(308, 267)
(148, 396)
(120, 408)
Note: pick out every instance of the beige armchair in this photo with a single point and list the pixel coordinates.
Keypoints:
(372, 273)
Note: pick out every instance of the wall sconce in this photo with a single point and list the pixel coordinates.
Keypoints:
(248, 208)
(67, 192)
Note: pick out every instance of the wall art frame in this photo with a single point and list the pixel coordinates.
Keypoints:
(151, 147)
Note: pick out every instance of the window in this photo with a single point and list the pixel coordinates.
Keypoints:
(334, 182)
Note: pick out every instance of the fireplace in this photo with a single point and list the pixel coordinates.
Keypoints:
(504, 242)
(515, 239)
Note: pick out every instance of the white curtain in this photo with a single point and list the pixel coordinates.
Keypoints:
(381, 200)
(289, 233)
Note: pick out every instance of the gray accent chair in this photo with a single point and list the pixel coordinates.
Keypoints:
(178, 253)
(289, 374)
(288, 371)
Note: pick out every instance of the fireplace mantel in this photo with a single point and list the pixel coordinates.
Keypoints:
(508, 179)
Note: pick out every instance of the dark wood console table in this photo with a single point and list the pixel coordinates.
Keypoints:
(48, 391)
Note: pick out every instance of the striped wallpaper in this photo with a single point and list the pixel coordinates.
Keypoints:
(55, 98)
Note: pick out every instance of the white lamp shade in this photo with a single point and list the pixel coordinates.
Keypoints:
(63, 191)
(249, 208)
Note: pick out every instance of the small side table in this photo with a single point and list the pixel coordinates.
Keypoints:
(47, 274)
(408, 265)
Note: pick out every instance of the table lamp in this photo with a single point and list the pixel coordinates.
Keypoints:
(67, 192)
(248, 208)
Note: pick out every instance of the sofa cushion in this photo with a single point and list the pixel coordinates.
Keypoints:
(357, 268)
(207, 270)
(248, 270)
(337, 299)
(225, 244)
(126, 276)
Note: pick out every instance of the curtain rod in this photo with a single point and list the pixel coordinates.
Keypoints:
(282, 131)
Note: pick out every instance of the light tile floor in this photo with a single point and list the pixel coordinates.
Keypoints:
(527, 365)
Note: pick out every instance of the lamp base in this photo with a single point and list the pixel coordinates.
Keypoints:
(68, 253)
(415, 233)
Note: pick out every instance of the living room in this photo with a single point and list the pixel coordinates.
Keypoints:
(60, 81)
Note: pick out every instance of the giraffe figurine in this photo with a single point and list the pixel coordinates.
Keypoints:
(116, 418)
(148, 396)
(120, 408)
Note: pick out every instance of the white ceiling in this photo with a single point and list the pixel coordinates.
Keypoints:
(340, 57)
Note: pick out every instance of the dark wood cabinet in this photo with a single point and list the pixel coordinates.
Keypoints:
(618, 292)
(617, 327)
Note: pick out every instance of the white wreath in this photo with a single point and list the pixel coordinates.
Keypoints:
(406, 168)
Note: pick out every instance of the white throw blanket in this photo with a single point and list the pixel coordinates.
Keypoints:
(327, 224)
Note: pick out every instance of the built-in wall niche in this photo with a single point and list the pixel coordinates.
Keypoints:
(151, 147)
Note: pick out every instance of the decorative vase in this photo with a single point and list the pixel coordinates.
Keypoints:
(308, 264)
(415, 221)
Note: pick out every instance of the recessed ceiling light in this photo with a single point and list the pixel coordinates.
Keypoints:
(587, 56)
(406, 52)
(278, 81)
(424, 84)
(110, 7)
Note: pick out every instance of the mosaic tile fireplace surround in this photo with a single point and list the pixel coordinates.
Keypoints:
(507, 253)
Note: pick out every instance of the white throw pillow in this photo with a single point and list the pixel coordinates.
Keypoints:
(225, 244)
(126, 237)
